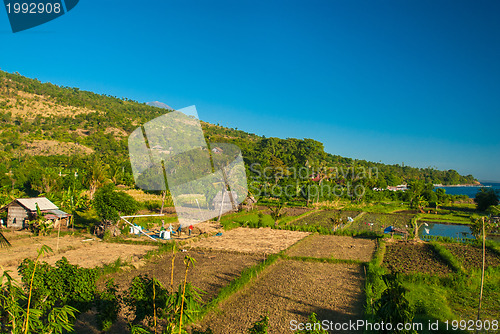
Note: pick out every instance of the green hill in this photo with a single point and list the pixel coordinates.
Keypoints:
(47, 130)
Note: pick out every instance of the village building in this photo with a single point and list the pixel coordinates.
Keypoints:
(223, 200)
(248, 204)
(217, 150)
(22, 210)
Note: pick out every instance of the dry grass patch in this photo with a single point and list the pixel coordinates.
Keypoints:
(54, 147)
(333, 246)
(250, 240)
(34, 105)
(83, 253)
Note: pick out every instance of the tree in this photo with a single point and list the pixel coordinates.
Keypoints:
(416, 226)
(441, 197)
(110, 203)
(485, 198)
(40, 225)
(276, 212)
(96, 176)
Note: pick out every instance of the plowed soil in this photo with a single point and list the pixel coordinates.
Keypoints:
(472, 257)
(292, 290)
(409, 257)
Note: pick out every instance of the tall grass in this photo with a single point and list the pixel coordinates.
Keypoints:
(447, 257)
(113, 267)
(374, 284)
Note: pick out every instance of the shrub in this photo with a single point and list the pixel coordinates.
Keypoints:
(260, 327)
(64, 284)
(393, 307)
(108, 306)
(109, 203)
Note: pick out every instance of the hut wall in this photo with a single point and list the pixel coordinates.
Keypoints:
(16, 216)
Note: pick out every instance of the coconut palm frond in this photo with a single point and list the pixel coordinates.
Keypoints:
(3, 241)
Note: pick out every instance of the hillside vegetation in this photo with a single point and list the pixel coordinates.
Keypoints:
(53, 138)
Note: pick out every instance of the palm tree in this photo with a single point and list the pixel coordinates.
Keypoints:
(97, 176)
(276, 212)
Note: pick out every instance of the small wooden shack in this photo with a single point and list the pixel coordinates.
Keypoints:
(248, 204)
(22, 210)
(224, 200)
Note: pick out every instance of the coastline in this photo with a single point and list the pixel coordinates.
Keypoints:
(461, 185)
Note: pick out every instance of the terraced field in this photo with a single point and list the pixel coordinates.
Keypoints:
(376, 222)
(324, 218)
(472, 257)
(410, 257)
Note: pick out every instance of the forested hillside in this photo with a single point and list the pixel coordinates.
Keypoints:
(54, 138)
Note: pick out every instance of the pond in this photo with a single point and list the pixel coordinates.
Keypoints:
(449, 230)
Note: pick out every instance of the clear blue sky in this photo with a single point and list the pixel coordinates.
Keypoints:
(393, 81)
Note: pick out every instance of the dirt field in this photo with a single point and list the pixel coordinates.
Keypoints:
(288, 211)
(211, 272)
(338, 247)
(472, 257)
(251, 241)
(292, 290)
(84, 253)
(406, 257)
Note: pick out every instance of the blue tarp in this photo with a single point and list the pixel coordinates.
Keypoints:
(389, 229)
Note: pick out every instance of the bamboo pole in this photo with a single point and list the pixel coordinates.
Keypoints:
(482, 272)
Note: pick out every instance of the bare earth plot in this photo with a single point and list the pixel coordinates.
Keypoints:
(338, 247)
(83, 253)
(409, 257)
(252, 241)
(292, 290)
(211, 272)
(472, 257)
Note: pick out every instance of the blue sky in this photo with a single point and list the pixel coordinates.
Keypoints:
(392, 81)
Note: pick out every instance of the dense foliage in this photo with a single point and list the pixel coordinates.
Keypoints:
(109, 203)
(64, 284)
(486, 198)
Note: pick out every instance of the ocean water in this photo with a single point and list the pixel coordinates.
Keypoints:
(470, 191)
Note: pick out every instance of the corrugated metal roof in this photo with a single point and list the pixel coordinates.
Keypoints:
(43, 203)
(59, 213)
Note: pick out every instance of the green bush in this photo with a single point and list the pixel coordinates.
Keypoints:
(316, 326)
(108, 306)
(64, 284)
(393, 306)
(260, 327)
(109, 203)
